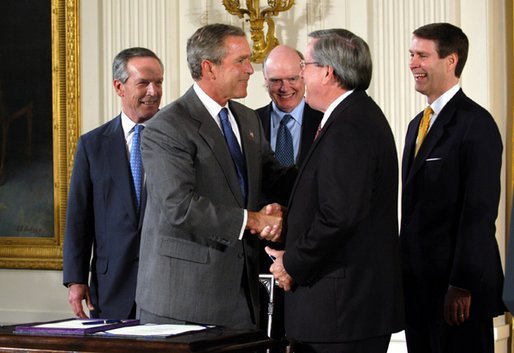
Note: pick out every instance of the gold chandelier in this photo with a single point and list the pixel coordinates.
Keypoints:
(262, 43)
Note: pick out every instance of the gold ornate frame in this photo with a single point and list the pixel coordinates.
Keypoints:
(46, 253)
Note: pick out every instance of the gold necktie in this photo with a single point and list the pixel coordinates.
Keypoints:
(423, 128)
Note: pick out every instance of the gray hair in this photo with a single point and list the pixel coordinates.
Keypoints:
(347, 54)
(208, 43)
(119, 64)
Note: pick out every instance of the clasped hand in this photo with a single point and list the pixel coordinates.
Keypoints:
(267, 223)
(284, 280)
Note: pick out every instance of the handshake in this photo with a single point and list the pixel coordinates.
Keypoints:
(267, 223)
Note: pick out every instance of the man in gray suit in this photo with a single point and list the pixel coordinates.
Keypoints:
(207, 163)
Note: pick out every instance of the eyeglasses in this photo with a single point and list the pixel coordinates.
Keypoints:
(304, 64)
(279, 82)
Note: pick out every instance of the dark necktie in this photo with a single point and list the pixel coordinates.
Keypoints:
(318, 131)
(234, 149)
(284, 152)
(136, 165)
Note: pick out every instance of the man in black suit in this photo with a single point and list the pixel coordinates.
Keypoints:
(341, 266)
(104, 215)
(451, 189)
(284, 81)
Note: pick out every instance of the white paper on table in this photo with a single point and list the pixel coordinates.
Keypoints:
(155, 330)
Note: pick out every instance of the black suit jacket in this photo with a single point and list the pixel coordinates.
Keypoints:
(451, 191)
(310, 123)
(102, 217)
(342, 231)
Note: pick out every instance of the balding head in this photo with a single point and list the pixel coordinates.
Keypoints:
(283, 77)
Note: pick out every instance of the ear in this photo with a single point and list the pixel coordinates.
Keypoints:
(328, 74)
(208, 69)
(452, 61)
(119, 88)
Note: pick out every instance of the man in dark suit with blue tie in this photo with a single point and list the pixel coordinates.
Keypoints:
(451, 190)
(106, 198)
(290, 125)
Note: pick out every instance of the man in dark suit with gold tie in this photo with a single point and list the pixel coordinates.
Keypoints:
(451, 189)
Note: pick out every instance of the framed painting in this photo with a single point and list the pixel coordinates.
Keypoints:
(39, 119)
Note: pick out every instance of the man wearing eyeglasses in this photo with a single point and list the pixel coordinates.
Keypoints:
(290, 126)
(287, 109)
(341, 266)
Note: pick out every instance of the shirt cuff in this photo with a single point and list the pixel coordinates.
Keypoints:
(245, 219)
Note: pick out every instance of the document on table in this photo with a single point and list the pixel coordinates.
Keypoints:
(154, 330)
(75, 326)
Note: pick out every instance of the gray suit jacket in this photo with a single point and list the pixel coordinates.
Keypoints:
(193, 266)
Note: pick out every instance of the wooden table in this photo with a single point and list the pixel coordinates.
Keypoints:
(211, 340)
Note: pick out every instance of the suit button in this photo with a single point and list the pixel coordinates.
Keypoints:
(240, 255)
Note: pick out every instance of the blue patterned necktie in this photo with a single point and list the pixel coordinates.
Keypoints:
(235, 150)
(136, 165)
(284, 152)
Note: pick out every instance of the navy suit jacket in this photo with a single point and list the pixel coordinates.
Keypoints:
(102, 217)
(310, 123)
(451, 191)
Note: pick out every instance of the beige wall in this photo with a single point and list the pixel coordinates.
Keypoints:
(108, 26)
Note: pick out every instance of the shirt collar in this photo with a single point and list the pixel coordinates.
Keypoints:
(127, 124)
(440, 102)
(333, 106)
(210, 104)
(296, 113)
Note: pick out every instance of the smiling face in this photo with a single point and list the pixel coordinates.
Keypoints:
(230, 78)
(433, 75)
(283, 77)
(314, 75)
(141, 93)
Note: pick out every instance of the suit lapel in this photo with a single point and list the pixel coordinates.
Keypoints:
(338, 113)
(213, 136)
(310, 123)
(266, 123)
(116, 153)
(248, 136)
(434, 135)
(410, 142)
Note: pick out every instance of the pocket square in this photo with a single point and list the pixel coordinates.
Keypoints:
(433, 159)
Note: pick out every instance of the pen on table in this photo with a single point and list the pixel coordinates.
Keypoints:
(100, 322)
